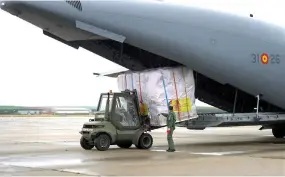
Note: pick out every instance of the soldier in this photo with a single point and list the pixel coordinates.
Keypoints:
(171, 119)
(142, 109)
(144, 115)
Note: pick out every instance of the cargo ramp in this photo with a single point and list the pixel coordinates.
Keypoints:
(238, 119)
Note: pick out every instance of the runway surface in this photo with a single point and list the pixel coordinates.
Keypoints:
(50, 147)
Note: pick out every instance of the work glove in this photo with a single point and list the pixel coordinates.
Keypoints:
(168, 131)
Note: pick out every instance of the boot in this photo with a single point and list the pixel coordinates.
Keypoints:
(170, 150)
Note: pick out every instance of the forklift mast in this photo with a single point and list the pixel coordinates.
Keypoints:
(107, 113)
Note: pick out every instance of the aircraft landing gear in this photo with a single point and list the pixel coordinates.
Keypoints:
(278, 131)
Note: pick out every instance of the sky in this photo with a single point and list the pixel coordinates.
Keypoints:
(36, 70)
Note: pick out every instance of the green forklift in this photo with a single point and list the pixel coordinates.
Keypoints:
(117, 122)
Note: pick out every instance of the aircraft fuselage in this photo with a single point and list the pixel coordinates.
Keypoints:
(226, 48)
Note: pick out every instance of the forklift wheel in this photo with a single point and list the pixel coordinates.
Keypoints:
(125, 144)
(102, 142)
(85, 145)
(145, 141)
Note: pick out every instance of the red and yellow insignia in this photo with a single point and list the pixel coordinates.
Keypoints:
(264, 58)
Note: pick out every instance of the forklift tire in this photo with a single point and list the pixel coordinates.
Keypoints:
(145, 141)
(125, 144)
(102, 142)
(85, 145)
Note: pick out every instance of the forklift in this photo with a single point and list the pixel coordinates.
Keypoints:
(118, 122)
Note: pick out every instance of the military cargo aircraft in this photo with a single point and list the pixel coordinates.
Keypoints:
(238, 61)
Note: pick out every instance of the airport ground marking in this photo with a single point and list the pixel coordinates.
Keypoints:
(205, 153)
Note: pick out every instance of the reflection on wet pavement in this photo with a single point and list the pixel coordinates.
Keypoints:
(49, 146)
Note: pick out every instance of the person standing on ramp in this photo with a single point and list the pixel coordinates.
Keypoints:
(171, 119)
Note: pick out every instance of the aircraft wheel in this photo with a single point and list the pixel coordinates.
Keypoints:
(102, 142)
(125, 144)
(278, 132)
(145, 141)
(85, 144)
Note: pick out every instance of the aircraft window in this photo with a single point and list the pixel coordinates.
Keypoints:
(126, 113)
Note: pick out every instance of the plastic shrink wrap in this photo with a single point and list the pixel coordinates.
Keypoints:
(157, 88)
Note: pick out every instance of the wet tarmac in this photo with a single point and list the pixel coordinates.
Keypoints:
(50, 147)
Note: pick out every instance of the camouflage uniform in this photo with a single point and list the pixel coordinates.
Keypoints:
(171, 119)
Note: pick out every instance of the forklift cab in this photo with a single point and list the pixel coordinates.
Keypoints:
(121, 109)
(117, 121)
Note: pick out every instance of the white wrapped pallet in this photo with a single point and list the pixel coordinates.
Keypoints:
(159, 87)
